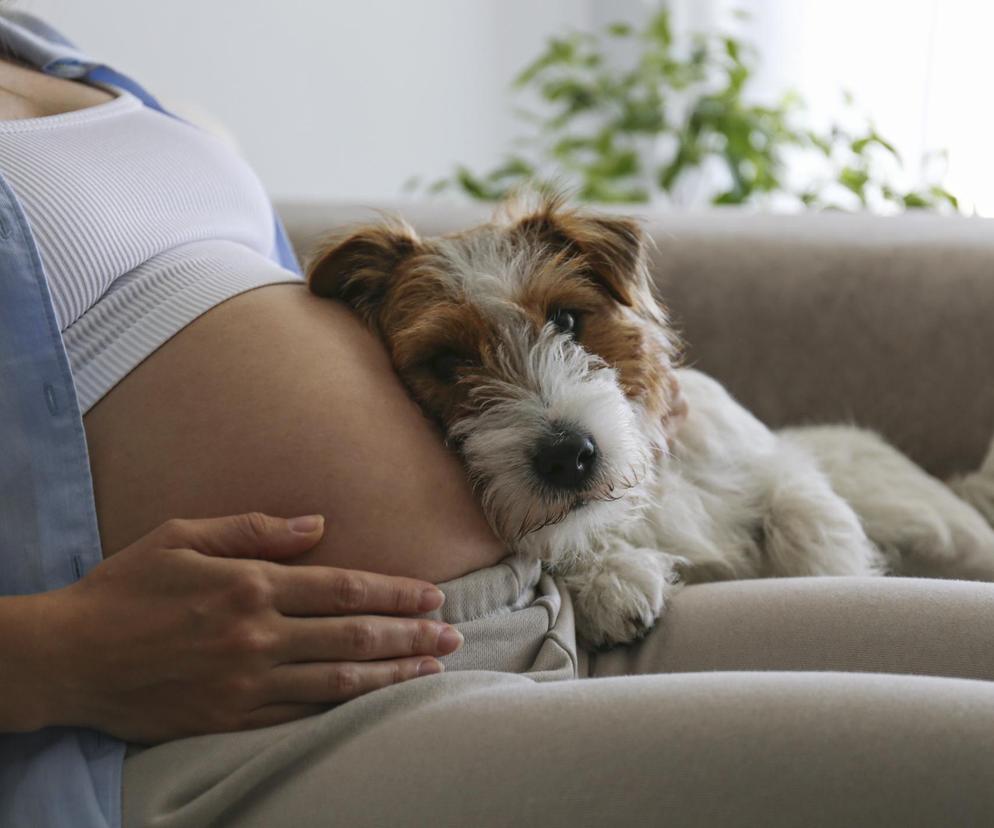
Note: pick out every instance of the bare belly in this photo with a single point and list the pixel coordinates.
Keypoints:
(281, 402)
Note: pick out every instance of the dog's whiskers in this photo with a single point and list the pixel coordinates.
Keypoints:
(558, 517)
(524, 528)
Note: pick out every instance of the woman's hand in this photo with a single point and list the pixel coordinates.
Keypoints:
(179, 634)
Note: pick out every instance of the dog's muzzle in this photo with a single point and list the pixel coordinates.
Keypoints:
(565, 459)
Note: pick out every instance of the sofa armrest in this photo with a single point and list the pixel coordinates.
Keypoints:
(884, 322)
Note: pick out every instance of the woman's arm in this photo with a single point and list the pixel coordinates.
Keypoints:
(179, 634)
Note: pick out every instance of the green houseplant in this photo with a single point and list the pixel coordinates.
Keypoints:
(675, 118)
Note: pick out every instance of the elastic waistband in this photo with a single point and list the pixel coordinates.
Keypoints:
(506, 586)
(515, 618)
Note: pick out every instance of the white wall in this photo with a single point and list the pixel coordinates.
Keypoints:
(349, 98)
(330, 98)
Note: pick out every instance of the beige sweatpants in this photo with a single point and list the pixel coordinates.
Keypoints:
(829, 701)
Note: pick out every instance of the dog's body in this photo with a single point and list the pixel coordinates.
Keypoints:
(735, 500)
(536, 343)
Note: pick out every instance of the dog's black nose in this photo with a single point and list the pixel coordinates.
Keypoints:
(566, 459)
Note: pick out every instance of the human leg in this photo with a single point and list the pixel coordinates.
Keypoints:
(483, 749)
(882, 625)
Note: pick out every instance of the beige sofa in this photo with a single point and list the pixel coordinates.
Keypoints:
(884, 321)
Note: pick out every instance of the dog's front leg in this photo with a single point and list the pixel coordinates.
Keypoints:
(619, 592)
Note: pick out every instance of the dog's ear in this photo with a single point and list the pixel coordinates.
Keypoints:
(614, 246)
(359, 268)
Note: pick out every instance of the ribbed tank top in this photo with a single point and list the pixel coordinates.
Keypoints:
(143, 223)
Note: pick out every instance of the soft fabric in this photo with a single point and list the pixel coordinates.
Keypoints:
(143, 223)
(721, 744)
(114, 186)
(515, 618)
(48, 532)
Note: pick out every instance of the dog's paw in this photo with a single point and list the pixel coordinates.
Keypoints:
(619, 597)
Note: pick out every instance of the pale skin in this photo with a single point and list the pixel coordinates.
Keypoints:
(273, 404)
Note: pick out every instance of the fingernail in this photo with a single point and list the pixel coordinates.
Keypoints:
(431, 598)
(450, 640)
(430, 667)
(305, 524)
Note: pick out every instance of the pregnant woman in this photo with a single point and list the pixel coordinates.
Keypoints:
(177, 649)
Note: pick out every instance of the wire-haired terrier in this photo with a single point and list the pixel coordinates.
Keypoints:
(537, 344)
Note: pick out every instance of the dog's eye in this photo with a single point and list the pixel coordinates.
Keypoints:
(446, 365)
(567, 321)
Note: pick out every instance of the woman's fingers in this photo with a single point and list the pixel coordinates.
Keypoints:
(248, 535)
(363, 638)
(324, 590)
(330, 683)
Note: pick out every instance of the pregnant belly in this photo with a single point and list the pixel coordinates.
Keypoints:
(281, 402)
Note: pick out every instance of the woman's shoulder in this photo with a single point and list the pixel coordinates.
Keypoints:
(37, 27)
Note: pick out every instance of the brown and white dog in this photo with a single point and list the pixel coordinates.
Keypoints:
(536, 343)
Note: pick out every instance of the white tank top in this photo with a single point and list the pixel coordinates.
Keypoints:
(143, 222)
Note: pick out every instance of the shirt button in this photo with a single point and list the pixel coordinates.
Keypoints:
(66, 68)
(52, 402)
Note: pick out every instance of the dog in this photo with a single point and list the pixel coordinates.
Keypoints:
(537, 344)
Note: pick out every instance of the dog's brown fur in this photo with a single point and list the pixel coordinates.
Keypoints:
(592, 265)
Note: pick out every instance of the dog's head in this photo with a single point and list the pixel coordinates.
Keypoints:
(536, 343)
